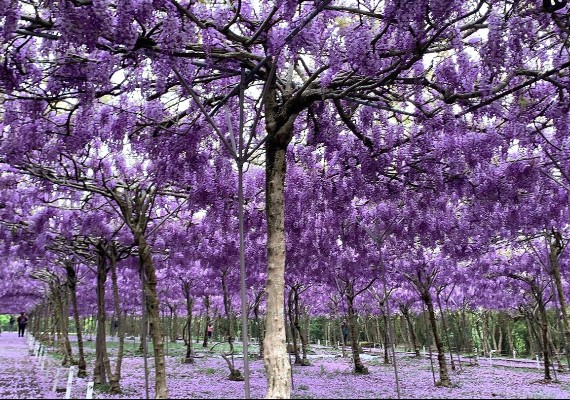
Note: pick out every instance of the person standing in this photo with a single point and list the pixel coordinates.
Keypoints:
(22, 322)
(345, 330)
(12, 322)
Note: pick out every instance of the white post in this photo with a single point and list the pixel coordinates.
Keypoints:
(537, 361)
(89, 394)
(56, 379)
(514, 354)
(425, 352)
(69, 382)
(326, 342)
(319, 342)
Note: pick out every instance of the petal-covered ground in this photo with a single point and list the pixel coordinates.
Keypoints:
(327, 377)
(20, 377)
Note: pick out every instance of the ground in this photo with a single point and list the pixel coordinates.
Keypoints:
(329, 376)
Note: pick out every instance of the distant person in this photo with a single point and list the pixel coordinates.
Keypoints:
(22, 322)
(12, 322)
(344, 327)
(210, 330)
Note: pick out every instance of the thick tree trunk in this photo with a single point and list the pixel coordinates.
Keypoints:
(555, 242)
(99, 374)
(152, 305)
(275, 356)
(63, 324)
(359, 367)
(443, 373)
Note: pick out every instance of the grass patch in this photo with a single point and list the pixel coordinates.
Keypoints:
(102, 387)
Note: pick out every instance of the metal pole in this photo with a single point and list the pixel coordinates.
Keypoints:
(240, 160)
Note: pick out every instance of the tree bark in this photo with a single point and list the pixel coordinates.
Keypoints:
(445, 331)
(60, 292)
(443, 373)
(152, 305)
(555, 249)
(258, 324)
(207, 319)
(292, 327)
(359, 367)
(544, 330)
(188, 326)
(275, 356)
(298, 328)
(406, 313)
(72, 283)
(235, 373)
(99, 373)
(115, 378)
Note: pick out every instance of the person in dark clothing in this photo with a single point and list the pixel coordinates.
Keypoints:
(344, 332)
(22, 322)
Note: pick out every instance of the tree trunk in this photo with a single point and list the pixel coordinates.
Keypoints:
(443, 373)
(63, 319)
(72, 283)
(297, 327)
(99, 373)
(235, 374)
(275, 356)
(174, 324)
(510, 340)
(258, 324)
(386, 333)
(544, 331)
(406, 313)
(115, 378)
(152, 305)
(188, 326)
(359, 367)
(555, 244)
(292, 327)
(207, 319)
(531, 338)
(446, 333)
